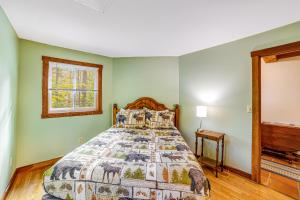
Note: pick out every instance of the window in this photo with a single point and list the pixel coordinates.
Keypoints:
(71, 88)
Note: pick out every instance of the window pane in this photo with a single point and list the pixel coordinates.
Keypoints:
(61, 99)
(85, 80)
(85, 99)
(62, 78)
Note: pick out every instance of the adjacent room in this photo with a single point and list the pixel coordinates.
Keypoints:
(280, 139)
(149, 100)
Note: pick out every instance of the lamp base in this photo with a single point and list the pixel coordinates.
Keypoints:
(200, 127)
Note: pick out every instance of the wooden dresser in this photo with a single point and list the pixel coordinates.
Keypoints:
(280, 137)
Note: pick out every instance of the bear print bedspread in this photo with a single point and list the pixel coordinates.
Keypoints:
(126, 164)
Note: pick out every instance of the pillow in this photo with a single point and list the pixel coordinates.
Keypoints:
(159, 119)
(130, 119)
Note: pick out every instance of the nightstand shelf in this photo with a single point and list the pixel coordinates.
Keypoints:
(214, 136)
(208, 162)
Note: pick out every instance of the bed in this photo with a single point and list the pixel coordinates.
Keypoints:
(129, 163)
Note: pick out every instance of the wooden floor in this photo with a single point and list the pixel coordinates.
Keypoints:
(281, 183)
(28, 186)
(231, 186)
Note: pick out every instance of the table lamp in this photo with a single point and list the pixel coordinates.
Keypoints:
(201, 112)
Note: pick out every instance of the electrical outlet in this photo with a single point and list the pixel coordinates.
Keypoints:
(80, 140)
(10, 161)
(249, 109)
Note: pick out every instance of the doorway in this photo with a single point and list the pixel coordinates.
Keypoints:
(259, 58)
(280, 125)
(275, 145)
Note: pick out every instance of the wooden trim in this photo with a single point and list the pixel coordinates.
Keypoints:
(71, 62)
(70, 114)
(45, 104)
(278, 50)
(9, 186)
(99, 105)
(270, 59)
(238, 172)
(276, 58)
(282, 51)
(288, 55)
(148, 103)
(38, 165)
(24, 168)
(256, 118)
(45, 88)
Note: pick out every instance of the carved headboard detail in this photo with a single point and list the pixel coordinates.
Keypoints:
(147, 102)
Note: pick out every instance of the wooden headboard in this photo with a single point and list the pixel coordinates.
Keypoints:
(147, 102)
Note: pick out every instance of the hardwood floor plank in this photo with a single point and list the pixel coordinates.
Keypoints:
(284, 185)
(232, 186)
(229, 186)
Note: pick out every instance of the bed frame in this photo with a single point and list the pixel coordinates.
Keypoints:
(147, 102)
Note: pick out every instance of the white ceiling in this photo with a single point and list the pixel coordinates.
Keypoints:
(126, 28)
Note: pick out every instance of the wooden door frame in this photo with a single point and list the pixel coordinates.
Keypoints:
(274, 54)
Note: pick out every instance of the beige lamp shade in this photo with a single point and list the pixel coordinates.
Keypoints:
(201, 111)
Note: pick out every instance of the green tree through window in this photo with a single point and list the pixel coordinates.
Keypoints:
(73, 87)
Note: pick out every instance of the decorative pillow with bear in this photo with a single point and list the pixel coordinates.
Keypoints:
(159, 119)
(130, 119)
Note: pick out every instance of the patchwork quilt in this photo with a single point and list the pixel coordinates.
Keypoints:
(125, 164)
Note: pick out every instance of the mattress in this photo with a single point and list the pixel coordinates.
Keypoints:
(129, 164)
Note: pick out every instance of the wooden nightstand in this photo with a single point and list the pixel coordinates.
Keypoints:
(214, 136)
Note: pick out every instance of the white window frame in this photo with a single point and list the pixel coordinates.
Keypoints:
(74, 69)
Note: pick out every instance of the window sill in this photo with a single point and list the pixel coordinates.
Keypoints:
(70, 114)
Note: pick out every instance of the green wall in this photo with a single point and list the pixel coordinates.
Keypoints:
(41, 139)
(220, 77)
(8, 99)
(155, 77)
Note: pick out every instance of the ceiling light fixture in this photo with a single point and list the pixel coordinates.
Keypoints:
(97, 5)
